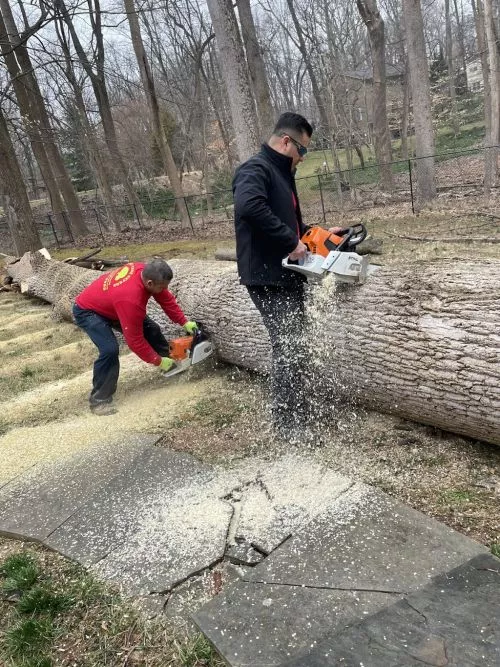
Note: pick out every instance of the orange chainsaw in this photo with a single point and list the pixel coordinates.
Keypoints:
(188, 350)
(333, 253)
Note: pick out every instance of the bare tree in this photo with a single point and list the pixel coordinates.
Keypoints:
(37, 123)
(370, 14)
(154, 108)
(256, 69)
(234, 70)
(421, 95)
(478, 9)
(17, 209)
(493, 75)
(98, 80)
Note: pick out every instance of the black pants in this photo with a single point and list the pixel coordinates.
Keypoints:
(107, 365)
(282, 310)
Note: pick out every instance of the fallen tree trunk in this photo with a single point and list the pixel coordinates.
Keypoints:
(421, 341)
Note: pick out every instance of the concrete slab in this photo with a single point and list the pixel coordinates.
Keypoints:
(170, 546)
(118, 510)
(38, 501)
(454, 621)
(256, 625)
(283, 497)
(367, 547)
(367, 541)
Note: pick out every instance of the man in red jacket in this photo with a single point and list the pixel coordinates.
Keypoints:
(118, 300)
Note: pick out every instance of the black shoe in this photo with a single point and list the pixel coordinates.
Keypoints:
(103, 409)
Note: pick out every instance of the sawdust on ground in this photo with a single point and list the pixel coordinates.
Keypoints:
(144, 411)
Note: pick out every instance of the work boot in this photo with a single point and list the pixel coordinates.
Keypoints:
(103, 409)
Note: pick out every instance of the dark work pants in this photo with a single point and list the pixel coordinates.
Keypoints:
(107, 365)
(282, 310)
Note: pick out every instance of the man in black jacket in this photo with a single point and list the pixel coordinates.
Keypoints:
(268, 227)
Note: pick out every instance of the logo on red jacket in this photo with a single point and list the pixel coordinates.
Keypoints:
(118, 276)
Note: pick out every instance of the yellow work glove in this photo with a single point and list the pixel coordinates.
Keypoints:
(190, 327)
(166, 364)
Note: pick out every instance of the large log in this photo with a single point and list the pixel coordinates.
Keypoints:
(421, 341)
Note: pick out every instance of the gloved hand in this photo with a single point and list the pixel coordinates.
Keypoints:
(190, 327)
(166, 364)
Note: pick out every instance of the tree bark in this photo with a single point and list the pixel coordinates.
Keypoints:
(16, 205)
(419, 340)
(370, 14)
(37, 123)
(478, 10)
(421, 96)
(235, 74)
(154, 109)
(493, 71)
(256, 69)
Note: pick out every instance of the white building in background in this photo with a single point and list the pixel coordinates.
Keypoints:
(474, 76)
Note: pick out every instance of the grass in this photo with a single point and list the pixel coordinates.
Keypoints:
(138, 252)
(495, 549)
(63, 616)
(469, 136)
(457, 497)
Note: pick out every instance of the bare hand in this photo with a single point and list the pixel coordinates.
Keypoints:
(335, 230)
(299, 252)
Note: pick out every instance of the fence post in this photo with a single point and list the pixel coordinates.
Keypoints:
(96, 211)
(322, 201)
(68, 226)
(51, 223)
(137, 216)
(411, 187)
(189, 215)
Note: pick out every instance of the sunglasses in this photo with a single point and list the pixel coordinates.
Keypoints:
(301, 150)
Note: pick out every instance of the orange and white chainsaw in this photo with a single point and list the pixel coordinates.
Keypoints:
(333, 253)
(188, 350)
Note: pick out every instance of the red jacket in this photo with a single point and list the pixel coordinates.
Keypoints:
(121, 295)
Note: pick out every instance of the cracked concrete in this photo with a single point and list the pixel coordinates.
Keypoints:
(364, 553)
(151, 520)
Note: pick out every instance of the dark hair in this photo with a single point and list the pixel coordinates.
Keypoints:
(292, 122)
(158, 271)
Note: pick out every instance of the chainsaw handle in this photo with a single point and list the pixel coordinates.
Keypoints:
(352, 236)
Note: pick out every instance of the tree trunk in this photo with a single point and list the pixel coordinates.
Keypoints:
(16, 205)
(318, 97)
(406, 114)
(38, 115)
(30, 108)
(421, 96)
(449, 51)
(89, 139)
(257, 70)
(154, 108)
(234, 71)
(461, 42)
(376, 31)
(493, 62)
(420, 340)
(478, 11)
(98, 81)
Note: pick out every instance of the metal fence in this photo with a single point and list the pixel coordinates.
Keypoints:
(323, 195)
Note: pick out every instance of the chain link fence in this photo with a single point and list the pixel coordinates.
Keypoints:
(323, 195)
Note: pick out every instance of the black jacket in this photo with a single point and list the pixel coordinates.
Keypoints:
(268, 225)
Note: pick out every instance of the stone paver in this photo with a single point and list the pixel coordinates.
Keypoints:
(361, 555)
(116, 511)
(37, 502)
(454, 621)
